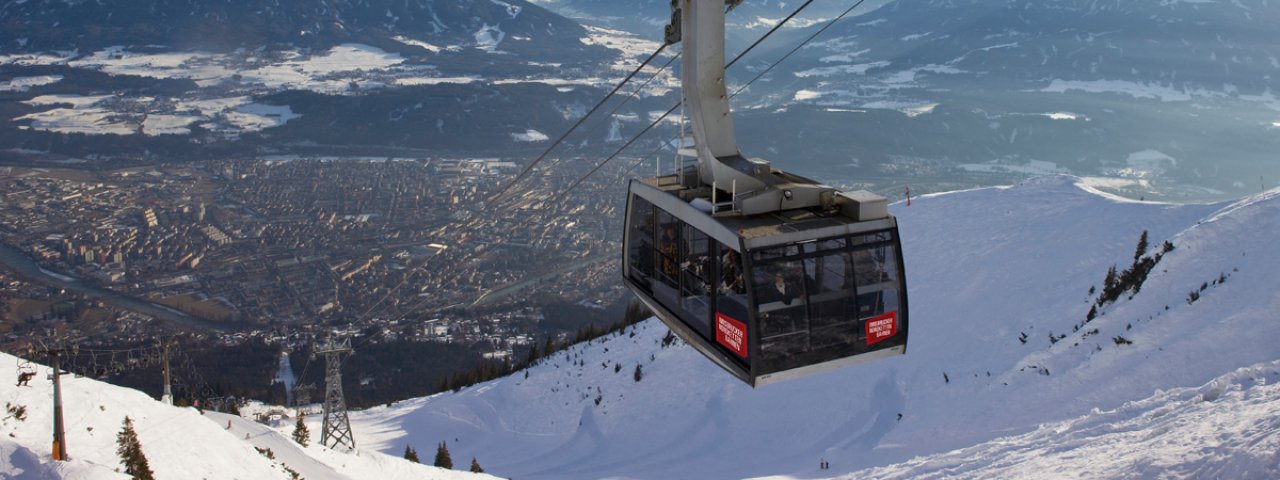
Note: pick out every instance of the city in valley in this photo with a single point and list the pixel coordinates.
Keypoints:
(289, 251)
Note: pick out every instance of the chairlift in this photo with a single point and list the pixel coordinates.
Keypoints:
(25, 367)
(770, 275)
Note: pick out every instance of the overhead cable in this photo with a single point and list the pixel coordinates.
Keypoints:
(575, 126)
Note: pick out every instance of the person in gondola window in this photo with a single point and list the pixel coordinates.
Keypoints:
(781, 290)
(731, 273)
(667, 247)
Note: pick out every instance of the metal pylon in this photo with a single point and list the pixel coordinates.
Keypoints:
(336, 429)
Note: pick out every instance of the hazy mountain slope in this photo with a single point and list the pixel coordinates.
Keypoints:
(984, 266)
(747, 21)
(48, 25)
(974, 88)
(182, 80)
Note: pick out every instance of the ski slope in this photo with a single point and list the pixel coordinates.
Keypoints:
(1194, 395)
(179, 443)
(984, 266)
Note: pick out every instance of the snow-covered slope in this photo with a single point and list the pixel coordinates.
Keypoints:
(179, 443)
(984, 267)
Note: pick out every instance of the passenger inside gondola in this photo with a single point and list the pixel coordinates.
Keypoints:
(731, 272)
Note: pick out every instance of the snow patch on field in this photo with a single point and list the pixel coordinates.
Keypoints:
(212, 106)
(1133, 89)
(1065, 116)
(78, 120)
(84, 116)
(553, 81)
(911, 109)
(204, 68)
(631, 46)
(22, 84)
(530, 136)
(424, 45)
(74, 100)
(255, 117)
(1112, 183)
(849, 69)
(37, 59)
(349, 57)
(1147, 164)
(488, 38)
(408, 81)
(314, 73)
(91, 115)
(766, 22)
(169, 124)
(802, 95)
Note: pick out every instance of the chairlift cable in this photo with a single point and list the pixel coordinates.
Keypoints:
(620, 150)
(642, 86)
(796, 49)
(768, 33)
(528, 168)
(646, 83)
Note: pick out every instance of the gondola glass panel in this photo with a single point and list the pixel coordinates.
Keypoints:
(824, 300)
(640, 251)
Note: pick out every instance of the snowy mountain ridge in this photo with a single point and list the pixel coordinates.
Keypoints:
(983, 391)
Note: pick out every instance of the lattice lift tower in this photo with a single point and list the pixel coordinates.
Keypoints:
(336, 429)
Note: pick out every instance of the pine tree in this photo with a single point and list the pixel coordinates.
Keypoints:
(549, 346)
(534, 355)
(638, 375)
(442, 456)
(1109, 286)
(411, 455)
(475, 466)
(300, 432)
(1142, 247)
(130, 451)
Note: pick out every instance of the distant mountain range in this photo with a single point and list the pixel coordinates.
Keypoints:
(1175, 99)
(457, 76)
(49, 25)
(647, 17)
(995, 87)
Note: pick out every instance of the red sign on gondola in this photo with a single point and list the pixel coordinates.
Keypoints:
(882, 327)
(732, 334)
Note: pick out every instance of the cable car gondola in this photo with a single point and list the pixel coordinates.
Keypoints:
(770, 275)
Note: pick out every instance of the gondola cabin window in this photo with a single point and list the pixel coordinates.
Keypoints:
(814, 299)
